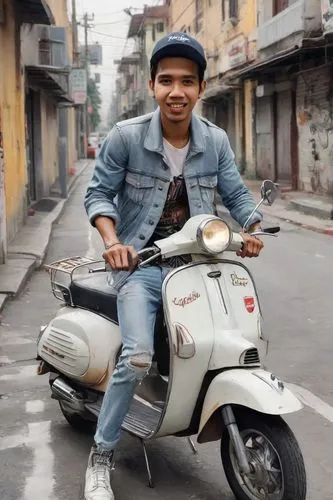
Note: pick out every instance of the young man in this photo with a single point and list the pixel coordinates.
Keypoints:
(163, 168)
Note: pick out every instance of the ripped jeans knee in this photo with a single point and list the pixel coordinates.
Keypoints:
(139, 364)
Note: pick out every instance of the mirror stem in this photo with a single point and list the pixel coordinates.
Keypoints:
(252, 213)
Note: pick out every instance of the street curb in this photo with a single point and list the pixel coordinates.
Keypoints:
(38, 260)
(310, 227)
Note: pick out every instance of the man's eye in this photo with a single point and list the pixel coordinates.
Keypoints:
(188, 82)
(165, 81)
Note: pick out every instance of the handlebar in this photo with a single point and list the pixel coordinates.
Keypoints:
(236, 244)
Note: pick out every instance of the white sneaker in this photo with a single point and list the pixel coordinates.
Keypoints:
(98, 485)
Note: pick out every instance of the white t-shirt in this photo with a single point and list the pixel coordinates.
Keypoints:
(176, 157)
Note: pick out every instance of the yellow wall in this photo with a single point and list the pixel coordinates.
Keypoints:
(13, 123)
(215, 33)
(12, 119)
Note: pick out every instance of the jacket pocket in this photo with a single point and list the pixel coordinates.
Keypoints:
(207, 185)
(138, 187)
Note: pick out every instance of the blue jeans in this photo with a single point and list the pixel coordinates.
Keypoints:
(138, 302)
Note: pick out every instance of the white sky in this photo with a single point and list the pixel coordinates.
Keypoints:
(111, 23)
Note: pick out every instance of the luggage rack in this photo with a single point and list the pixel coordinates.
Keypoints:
(63, 272)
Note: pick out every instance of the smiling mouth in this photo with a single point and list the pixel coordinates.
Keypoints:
(177, 106)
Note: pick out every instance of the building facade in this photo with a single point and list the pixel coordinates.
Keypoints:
(133, 96)
(227, 30)
(293, 101)
(32, 87)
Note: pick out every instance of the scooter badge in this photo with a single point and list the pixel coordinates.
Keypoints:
(249, 304)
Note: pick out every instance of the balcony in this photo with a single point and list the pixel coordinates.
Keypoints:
(300, 18)
(35, 11)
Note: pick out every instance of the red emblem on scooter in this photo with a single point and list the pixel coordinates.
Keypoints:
(249, 304)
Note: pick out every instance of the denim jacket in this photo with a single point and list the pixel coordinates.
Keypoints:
(131, 178)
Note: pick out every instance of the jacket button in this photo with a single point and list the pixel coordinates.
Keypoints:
(199, 205)
(151, 222)
(160, 188)
(142, 237)
(156, 205)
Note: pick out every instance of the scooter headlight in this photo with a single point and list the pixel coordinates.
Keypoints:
(214, 236)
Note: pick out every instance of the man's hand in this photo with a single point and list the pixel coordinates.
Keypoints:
(252, 246)
(120, 257)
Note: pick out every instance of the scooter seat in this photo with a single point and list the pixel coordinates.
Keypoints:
(94, 293)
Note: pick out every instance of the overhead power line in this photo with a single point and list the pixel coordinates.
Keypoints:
(108, 35)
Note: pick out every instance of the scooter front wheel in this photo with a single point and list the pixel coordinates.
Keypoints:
(277, 468)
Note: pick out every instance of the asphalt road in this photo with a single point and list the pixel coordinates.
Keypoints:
(42, 458)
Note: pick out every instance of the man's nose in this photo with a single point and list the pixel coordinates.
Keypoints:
(177, 90)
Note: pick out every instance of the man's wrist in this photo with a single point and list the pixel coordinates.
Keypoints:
(109, 244)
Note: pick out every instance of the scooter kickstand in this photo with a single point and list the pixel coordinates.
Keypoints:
(150, 478)
(192, 445)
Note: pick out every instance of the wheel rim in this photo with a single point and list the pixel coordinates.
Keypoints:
(265, 481)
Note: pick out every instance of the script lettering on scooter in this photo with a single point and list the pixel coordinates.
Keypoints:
(236, 281)
(185, 301)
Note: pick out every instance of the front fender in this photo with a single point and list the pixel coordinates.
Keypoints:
(256, 389)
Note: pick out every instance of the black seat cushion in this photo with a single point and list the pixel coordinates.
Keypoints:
(94, 293)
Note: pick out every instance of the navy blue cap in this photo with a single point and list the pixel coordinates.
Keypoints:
(179, 44)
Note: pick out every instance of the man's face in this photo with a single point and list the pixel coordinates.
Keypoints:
(176, 88)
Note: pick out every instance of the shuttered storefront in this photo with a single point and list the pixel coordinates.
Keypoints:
(314, 109)
(265, 137)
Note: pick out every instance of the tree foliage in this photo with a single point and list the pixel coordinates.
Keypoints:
(95, 102)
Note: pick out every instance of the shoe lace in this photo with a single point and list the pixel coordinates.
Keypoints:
(101, 468)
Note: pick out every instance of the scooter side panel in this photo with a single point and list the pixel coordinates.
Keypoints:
(80, 344)
(187, 304)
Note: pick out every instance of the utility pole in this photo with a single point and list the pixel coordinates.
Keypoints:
(86, 26)
(79, 123)
(75, 35)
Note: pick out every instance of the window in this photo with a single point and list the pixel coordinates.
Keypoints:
(279, 6)
(160, 27)
(183, 29)
(198, 16)
(233, 9)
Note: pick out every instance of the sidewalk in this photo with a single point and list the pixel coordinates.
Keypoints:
(27, 251)
(303, 209)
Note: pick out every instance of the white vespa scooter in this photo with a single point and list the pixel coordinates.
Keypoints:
(207, 377)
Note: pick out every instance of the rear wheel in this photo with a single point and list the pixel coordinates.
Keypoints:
(76, 421)
(276, 462)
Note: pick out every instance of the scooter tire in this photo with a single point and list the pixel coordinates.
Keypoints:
(77, 422)
(280, 436)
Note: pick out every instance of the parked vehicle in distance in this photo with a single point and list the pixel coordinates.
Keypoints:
(93, 145)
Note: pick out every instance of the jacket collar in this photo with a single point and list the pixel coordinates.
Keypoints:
(154, 138)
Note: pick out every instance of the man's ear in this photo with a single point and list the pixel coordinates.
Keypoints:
(152, 86)
(202, 88)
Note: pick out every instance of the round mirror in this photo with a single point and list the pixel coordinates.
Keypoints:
(269, 192)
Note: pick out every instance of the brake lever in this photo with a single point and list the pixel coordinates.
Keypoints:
(263, 233)
(144, 262)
